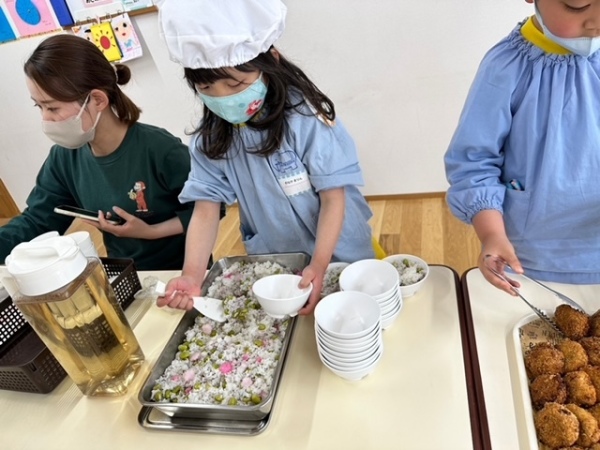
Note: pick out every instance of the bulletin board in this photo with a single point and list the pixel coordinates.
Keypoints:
(24, 18)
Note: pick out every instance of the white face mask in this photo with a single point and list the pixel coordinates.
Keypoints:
(69, 133)
(584, 46)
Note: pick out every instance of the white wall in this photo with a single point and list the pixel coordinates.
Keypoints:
(397, 70)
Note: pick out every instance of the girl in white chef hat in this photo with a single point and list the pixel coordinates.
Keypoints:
(268, 139)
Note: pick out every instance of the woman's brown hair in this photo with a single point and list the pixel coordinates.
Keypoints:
(68, 67)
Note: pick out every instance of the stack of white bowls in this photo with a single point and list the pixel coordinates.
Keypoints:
(380, 280)
(348, 332)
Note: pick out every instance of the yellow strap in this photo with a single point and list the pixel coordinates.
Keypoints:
(379, 251)
(539, 39)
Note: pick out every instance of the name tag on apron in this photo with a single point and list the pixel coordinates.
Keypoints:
(295, 184)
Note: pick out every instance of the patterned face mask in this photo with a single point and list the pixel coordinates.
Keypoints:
(240, 107)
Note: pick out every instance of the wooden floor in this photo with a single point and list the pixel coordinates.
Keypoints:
(418, 225)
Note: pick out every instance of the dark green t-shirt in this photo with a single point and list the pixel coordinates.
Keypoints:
(143, 176)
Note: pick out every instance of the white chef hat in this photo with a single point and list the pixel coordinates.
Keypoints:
(219, 33)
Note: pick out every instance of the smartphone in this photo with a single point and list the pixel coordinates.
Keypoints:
(85, 214)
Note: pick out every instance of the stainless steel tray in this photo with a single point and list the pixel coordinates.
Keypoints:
(293, 261)
(154, 419)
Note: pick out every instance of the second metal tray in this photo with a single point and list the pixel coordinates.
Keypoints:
(294, 262)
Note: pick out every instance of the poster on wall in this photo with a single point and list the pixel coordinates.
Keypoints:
(126, 37)
(62, 12)
(31, 16)
(131, 5)
(104, 38)
(84, 10)
(6, 31)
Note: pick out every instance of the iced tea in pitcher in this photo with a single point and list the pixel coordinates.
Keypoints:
(81, 322)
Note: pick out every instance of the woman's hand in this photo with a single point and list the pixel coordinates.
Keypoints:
(179, 293)
(314, 274)
(132, 226)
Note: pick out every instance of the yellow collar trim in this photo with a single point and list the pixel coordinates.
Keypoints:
(530, 32)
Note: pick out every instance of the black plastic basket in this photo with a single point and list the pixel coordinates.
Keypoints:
(26, 364)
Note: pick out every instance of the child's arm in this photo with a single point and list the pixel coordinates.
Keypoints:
(201, 237)
(331, 218)
(489, 226)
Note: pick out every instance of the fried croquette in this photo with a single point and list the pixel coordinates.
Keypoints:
(580, 389)
(594, 373)
(591, 344)
(575, 355)
(556, 426)
(573, 323)
(571, 447)
(547, 388)
(594, 324)
(589, 433)
(595, 411)
(544, 358)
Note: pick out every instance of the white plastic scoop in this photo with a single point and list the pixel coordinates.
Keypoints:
(210, 307)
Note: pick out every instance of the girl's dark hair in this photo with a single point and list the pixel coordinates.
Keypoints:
(68, 67)
(282, 76)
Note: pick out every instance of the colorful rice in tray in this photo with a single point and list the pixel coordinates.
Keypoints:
(331, 280)
(229, 363)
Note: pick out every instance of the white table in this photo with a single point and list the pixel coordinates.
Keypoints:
(416, 398)
(493, 317)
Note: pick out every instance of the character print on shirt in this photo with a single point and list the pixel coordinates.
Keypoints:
(290, 173)
(137, 194)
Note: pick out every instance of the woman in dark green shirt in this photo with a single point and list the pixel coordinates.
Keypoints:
(103, 160)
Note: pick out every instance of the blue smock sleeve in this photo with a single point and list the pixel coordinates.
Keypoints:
(328, 152)
(475, 156)
(206, 181)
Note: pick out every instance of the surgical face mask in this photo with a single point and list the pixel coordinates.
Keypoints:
(69, 133)
(240, 107)
(584, 46)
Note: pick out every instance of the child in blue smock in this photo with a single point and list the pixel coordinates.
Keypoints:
(524, 161)
(268, 140)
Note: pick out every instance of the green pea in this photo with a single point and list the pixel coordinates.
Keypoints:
(157, 397)
(232, 401)
(183, 347)
(256, 399)
(262, 326)
(184, 355)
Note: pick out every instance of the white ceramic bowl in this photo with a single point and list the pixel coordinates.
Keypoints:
(388, 321)
(408, 288)
(354, 358)
(279, 295)
(356, 374)
(335, 363)
(347, 314)
(375, 277)
(345, 342)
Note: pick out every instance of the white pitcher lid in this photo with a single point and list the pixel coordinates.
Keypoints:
(39, 267)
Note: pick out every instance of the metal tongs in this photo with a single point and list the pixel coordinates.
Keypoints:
(495, 263)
